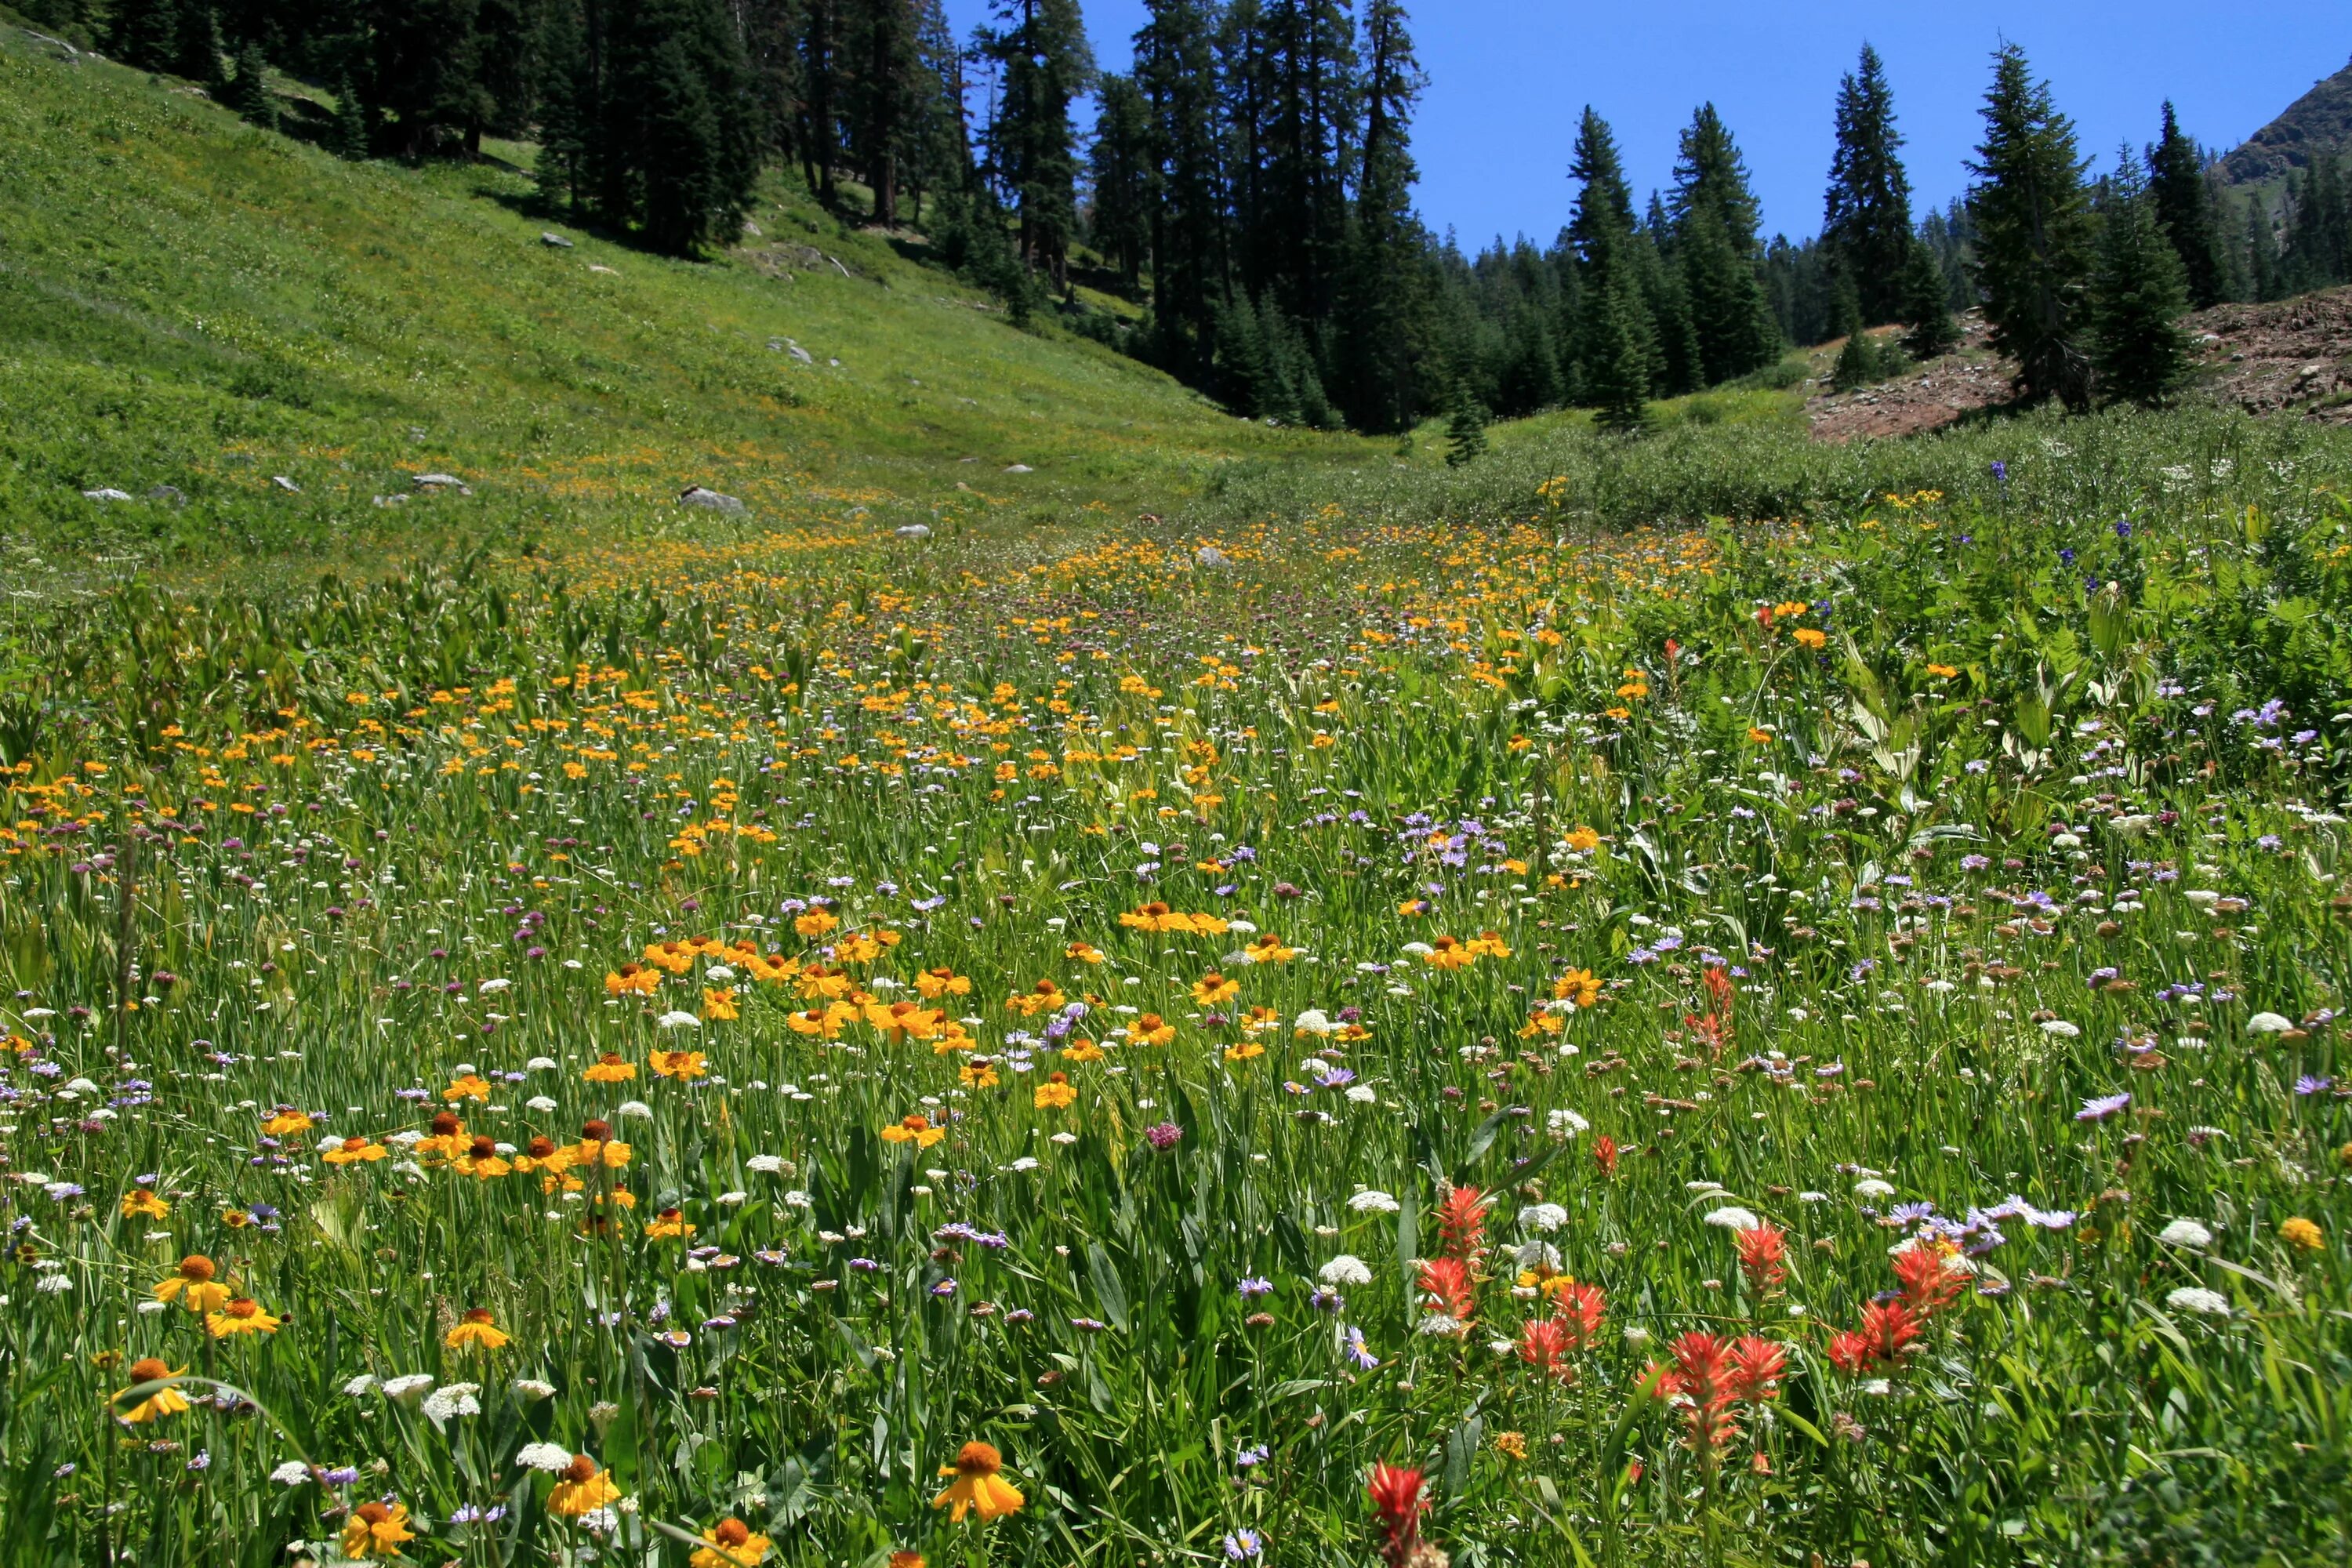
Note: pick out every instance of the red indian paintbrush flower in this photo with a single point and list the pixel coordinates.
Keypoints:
(1396, 1499)
(1579, 1313)
(1761, 1250)
(1462, 1222)
(1929, 1281)
(1447, 1284)
(1605, 1155)
(1543, 1346)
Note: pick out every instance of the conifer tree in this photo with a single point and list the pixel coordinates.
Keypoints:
(2184, 206)
(1679, 369)
(887, 92)
(1465, 427)
(1618, 354)
(1177, 74)
(145, 34)
(1119, 177)
(1377, 295)
(1925, 304)
(350, 138)
(2262, 279)
(569, 114)
(2316, 239)
(2138, 294)
(1714, 222)
(247, 95)
(2034, 234)
(1616, 344)
(1040, 48)
(196, 45)
(1866, 219)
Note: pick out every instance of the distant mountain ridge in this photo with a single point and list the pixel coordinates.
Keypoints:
(2318, 122)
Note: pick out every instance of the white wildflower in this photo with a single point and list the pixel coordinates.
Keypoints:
(547, 1457)
(674, 1019)
(2267, 1024)
(2198, 1300)
(1542, 1218)
(2186, 1232)
(1372, 1200)
(1731, 1217)
(456, 1399)
(292, 1473)
(1345, 1269)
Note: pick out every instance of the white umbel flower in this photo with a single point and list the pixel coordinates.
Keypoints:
(1345, 1269)
(2186, 1232)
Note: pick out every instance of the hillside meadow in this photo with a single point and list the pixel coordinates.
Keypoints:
(1238, 997)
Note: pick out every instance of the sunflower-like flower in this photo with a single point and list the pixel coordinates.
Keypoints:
(978, 1485)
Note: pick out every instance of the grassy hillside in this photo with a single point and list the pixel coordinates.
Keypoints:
(186, 301)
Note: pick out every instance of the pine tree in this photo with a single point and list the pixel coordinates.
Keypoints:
(2263, 281)
(569, 112)
(1177, 73)
(247, 95)
(2317, 237)
(350, 136)
(1866, 219)
(196, 45)
(1616, 343)
(1715, 217)
(1465, 427)
(1858, 363)
(820, 138)
(2034, 234)
(145, 34)
(2184, 206)
(1925, 304)
(1120, 177)
(418, 76)
(1617, 355)
(2137, 295)
(1377, 295)
(885, 92)
(1679, 369)
(1040, 51)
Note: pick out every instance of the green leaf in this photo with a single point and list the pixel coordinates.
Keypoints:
(1108, 1288)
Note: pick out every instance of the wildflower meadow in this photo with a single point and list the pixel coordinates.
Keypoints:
(1328, 1041)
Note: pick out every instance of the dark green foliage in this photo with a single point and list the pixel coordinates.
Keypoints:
(2318, 252)
(1866, 361)
(1040, 54)
(2263, 280)
(1714, 221)
(1379, 290)
(145, 33)
(247, 93)
(2137, 296)
(2184, 201)
(1177, 74)
(196, 43)
(1925, 304)
(1618, 356)
(1465, 428)
(350, 136)
(1120, 177)
(1866, 218)
(2034, 234)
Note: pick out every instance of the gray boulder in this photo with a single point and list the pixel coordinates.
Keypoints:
(915, 531)
(107, 494)
(708, 500)
(283, 483)
(435, 483)
(556, 241)
(170, 495)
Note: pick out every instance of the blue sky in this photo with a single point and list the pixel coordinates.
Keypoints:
(1507, 78)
